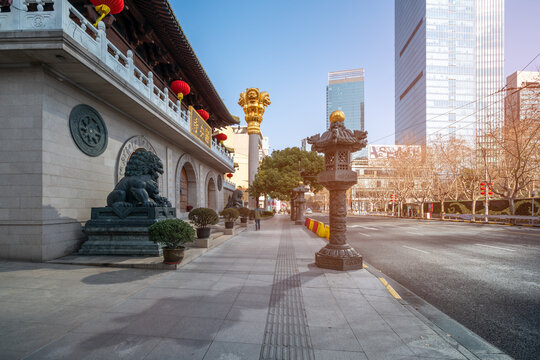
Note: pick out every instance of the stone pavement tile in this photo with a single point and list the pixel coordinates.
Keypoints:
(157, 293)
(68, 315)
(362, 320)
(97, 346)
(433, 346)
(248, 332)
(326, 318)
(136, 306)
(252, 300)
(229, 350)
(23, 338)
(368, 283)
(264, 279)
(227, 285)
(256, 287)
(107, 322)
(314, 281)
(242, 313)
(382, 345)
(338, 355)
(219, 297)
(196, 284)
(340, 281)
(179, 349)
(205, 309)
(326, 338)
(149, 324)
(387, 305)
(195, 328)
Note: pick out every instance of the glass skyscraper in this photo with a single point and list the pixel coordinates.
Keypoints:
(345, 92)
(449, 59)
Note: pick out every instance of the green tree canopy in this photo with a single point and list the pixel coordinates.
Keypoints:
(279, 173)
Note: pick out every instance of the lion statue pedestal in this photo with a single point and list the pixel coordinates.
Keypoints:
(121, 228)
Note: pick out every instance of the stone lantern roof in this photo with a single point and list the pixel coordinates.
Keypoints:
(338, 136)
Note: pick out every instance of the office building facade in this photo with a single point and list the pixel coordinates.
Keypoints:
(449, 69)
(345, 92)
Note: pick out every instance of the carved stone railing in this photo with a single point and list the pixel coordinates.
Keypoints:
(50, 15)
(229, 185)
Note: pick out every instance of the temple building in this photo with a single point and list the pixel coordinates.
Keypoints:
(78, 100)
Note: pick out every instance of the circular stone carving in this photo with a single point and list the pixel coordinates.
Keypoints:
(88, 130)
(219, 183)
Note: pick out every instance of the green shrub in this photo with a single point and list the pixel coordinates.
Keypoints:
(244, 212)
(457, 208)
(267, 213)
(171, 233)
(230, 214)
(202, 217)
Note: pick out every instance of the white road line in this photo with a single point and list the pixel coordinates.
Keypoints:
(364, 234)
(408, 247)
(495, 247)
(413, 233)
(367, 227)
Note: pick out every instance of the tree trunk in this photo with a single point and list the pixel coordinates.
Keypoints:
(511, 204)
(422, 211)
(442, 206)
(474, 207)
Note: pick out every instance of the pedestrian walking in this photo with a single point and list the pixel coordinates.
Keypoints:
(257, 219)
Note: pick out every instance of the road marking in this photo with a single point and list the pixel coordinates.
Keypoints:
(408, 247)
(413, 233)
(532, 232)
(364, 234)
(495, 247)
(363, 227)
(390, 288)
(364, 266)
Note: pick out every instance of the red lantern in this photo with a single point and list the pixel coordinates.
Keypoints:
(180, 88)
(229, 176)
(204, 114)
(221, 137)
(104, 7)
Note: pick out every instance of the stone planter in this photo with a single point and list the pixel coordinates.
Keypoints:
(243, 220)
(173, 256)
(203, 233)
(229, 224)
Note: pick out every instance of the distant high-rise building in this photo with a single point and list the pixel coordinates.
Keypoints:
(449, 69)
(345, 92)
(523, 94)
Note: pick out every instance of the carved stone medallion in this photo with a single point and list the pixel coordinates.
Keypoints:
(88, 130)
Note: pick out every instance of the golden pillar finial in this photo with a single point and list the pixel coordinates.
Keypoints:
(253, 103)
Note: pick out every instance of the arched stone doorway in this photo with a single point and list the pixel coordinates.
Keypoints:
(211, 195)
(188, 188)
(186, 184)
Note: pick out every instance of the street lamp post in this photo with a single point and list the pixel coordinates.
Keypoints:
(337, 143)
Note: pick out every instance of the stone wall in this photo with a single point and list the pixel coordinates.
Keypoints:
(20, 163)
(49, 184)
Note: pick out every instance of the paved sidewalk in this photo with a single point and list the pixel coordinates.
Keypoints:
(257, 296)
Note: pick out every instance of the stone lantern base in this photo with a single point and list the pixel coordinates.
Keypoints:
(338, 257)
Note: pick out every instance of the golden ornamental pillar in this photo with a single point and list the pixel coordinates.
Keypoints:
(253, 102)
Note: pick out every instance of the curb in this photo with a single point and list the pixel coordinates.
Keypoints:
(459, 221)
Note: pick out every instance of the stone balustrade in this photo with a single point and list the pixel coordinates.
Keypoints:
(60, 15)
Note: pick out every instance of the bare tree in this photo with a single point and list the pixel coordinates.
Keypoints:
(517, 144)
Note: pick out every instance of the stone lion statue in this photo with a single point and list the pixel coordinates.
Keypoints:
(236, 200)
(139, 185)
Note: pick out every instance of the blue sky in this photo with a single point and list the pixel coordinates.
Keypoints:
(288, 47)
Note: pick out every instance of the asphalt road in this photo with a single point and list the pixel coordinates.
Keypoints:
(486, 277)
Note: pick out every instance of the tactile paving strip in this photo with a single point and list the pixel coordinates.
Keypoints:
(286, 336)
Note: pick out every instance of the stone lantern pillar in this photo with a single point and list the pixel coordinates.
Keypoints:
(293, 206)
(300, 204)
(337, 144)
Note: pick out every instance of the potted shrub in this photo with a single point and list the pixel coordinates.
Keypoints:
(171, 234)
(202, 217)
(230, 215)
(244, 214)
